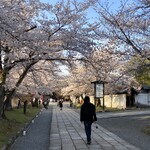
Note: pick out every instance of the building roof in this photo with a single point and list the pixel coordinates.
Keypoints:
(145, 89)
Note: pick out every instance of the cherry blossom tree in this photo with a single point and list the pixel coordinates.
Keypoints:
(120, 35)
(127, 28)
(101, 64)
(33, 32)
(78, 82)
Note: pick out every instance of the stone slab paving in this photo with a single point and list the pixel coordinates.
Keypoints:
(67, 133)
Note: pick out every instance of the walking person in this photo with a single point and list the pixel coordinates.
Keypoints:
(71, 103)
(61, 104)
(88, 116)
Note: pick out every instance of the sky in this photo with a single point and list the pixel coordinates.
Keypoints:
(114, 3)
(90, 13)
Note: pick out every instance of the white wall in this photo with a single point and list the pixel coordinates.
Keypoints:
(14, 102)
(143, 99)
(119, 101)
(92, 99)
(115, 101)
(73, 98)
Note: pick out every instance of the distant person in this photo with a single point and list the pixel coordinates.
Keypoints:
(61, 104)
(45, 101)
(71, 103)
(88, 116)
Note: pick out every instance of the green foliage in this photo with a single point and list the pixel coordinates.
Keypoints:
(16, 120)
(77, 105)
(142, 71)
(143, 76)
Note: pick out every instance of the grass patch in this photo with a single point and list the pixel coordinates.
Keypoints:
(16, 121)
(77, 106)
(146, 130)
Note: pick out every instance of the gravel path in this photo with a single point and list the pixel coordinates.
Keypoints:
(129, 128)
(37, 134)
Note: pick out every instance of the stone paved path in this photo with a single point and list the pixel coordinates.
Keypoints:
(67, 133)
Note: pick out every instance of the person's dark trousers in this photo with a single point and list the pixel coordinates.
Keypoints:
(87, 126)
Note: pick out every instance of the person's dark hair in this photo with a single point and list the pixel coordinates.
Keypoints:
(86, 99)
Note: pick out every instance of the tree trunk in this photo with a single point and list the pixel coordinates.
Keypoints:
(2, 96)
(19, 104)
(36, 102)
(25, 107)
(7, 102)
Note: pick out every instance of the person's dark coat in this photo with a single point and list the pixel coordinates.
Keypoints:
(88, 112)
(60, 104)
